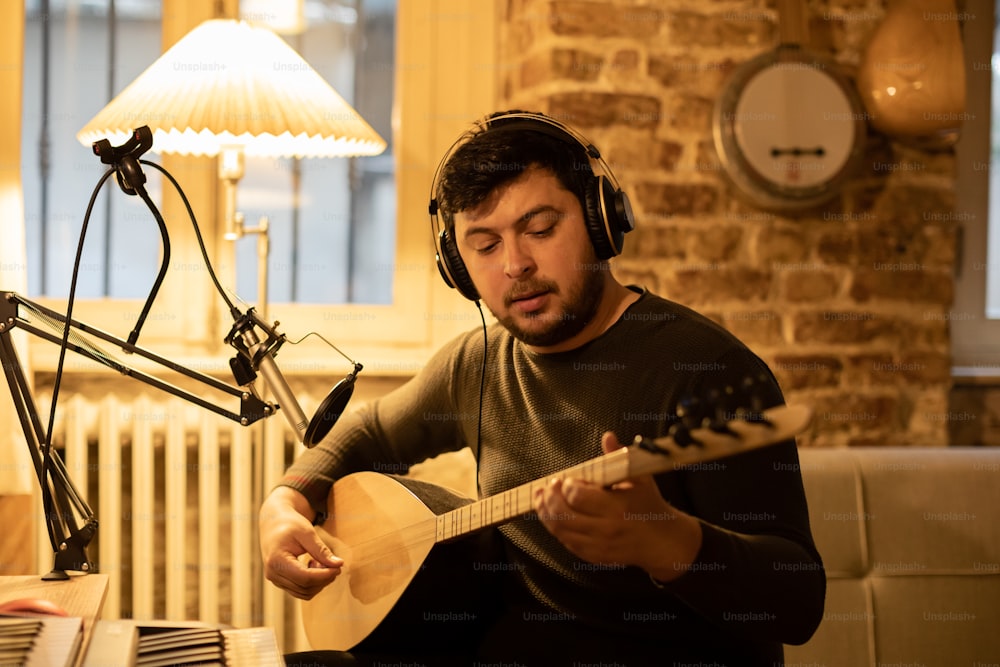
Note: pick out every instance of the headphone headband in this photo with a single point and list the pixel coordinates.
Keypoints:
(533, 122)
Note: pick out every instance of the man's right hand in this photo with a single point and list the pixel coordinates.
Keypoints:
(295, 559)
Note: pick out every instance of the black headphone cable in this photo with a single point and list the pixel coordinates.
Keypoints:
(482, 385)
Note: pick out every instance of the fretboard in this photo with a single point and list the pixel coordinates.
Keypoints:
(518, 501)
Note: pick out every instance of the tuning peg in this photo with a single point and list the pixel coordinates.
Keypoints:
(692, 412)
(723, 409)
(680, 433)
(750, 404)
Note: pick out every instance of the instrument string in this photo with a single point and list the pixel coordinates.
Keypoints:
(386, 545)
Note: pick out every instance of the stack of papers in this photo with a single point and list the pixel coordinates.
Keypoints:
(31, 641)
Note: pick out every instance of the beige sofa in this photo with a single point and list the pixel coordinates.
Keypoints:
(910, 538)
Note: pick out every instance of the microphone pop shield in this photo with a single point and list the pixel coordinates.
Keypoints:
(330, 410)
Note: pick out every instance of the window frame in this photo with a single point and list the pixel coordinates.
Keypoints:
(973, 353)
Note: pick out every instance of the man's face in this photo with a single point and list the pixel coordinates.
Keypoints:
(528, 254)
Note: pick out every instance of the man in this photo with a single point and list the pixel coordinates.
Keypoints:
(712, 564)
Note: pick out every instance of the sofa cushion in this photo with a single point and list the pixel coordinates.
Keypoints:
(937, 620)
(836, 510)
(932, 510)
(845, 636)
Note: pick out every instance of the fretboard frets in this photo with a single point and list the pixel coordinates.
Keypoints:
(519, 500)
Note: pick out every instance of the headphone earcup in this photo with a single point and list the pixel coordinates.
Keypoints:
(601, 217)
(452, 268)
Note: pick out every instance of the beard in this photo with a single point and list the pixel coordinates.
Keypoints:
(578, 310)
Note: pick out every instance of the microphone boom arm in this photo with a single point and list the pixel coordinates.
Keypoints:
(69, 519)
(71, 522)
(251, 409)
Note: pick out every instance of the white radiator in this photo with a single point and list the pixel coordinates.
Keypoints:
(176, 491)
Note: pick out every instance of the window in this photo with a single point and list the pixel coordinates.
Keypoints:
(442, 74)
(73, 63)
(337, 245)
(992, 168)
(333, 221)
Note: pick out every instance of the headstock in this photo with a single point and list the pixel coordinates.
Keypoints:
(724, 420)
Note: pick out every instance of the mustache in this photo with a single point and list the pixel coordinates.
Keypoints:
(528, 288)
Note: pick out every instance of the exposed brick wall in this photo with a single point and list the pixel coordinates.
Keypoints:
(848, 303)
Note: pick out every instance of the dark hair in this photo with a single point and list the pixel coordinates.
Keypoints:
(496, 152)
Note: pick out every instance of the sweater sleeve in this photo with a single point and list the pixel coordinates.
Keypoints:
(758, 572)
(414, 422)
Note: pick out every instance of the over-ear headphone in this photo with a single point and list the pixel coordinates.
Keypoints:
(607, 211)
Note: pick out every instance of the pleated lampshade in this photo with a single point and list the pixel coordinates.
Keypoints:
(229, 83)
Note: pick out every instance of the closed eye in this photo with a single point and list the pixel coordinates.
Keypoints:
(486, 249)
(541, 222)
